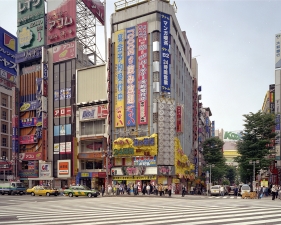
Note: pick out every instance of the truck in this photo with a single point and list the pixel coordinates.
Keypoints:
(12, 188)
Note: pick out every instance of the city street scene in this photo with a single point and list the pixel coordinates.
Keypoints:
(140, 112)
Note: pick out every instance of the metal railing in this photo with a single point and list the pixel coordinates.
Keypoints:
(124, 4)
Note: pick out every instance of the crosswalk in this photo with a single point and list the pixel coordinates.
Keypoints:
(143, 211)
(224, 197)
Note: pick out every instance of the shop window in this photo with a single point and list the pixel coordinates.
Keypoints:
(91, 165)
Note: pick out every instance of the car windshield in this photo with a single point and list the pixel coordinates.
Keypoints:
(245, 188)
(19, 185)
(215, 187)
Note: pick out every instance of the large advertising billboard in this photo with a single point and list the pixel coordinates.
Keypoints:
(64, 52)
(142, 74)
(119, 78)
(232, 135)
(61, 21)
(29, 11)
(93, 112)
(97, 8)
(8, 49)
(28, 55)
(31, 35)
(131, 76)
(165, 54)
(277, 51)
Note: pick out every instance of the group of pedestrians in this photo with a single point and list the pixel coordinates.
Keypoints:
(274, 190)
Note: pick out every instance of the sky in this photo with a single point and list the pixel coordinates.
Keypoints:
(233, 42)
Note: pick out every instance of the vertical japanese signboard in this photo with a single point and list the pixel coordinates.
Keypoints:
(142, 73)
(119, 79)
(277, 51)
(61, 20)
(165, 53)
(213, 129)
(179, 119)
(131, 76)
(272, 98)
(277, 129)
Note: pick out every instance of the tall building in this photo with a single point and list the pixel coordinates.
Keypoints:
(152, 95)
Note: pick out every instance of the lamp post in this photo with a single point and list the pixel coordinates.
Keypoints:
(210, 178)
(254, 162)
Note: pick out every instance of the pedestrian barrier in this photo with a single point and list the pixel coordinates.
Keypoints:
(251, 195)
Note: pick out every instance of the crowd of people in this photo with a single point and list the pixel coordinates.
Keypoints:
(273, 190)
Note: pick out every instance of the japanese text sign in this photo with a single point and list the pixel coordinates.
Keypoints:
(64, 52)
(97, 8)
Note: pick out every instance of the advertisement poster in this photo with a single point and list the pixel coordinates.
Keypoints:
(97, 8)
(277, 51)
(165, 53)
(62, 130)
(64, 168)
(61, 21)
(56, 148)
(119, 78)
(131, 76)
(8, 49)
(27, 55)
(68, 147)
(28, 139)
(31, 35)
(62, 112)
(28, 106)
(30, 156)
(62, 148)
(45, 170)
(93, 112)
(64, 52)
(142, 74)
(179, 118)
(30, 122)
(65, 93)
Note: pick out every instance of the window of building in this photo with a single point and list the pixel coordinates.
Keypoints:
(4, 102)
(93, 127)
(91, 165)
(4, 128)
(4, 153)
(4, 142)
(4, 115)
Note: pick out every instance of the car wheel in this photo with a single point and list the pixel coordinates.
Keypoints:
(89, 195)
(2, 193)
(32, 193)
(95, 196)
(48, 194)
(70, 194)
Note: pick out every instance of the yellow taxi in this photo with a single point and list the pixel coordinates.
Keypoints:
(42, 191)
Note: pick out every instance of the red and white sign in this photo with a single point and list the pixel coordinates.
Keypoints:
(61, 21)
(64, 52)
(27, 139)
(29, 156)
(93, 112)
(179, 118)
(97, 8)
(142, 74)
(62, 112)
(45, 120)
(68, 147)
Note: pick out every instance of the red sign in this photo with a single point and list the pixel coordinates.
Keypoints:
(15, 121)
(28, 156)
(97, 8)
(142, 73)
(179, 118)
(28, 139)
(62, 112)
(64, 52)
(44, 144)
(102, 174)
(61, 21)
(45, 120)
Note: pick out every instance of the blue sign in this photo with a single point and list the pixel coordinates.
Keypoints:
(144, 142)
(213, 128)
(29, 122)
(8, 50)
(45, 71)
(28, 55)
(62, 130)
(277, 121)
(28, 106)
(38, 133)
(165, 53)
(15, 146)
(15, 134)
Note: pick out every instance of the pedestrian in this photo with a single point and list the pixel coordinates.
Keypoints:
(102, 190)
(273, 190)
(156, 189)
(277, 188)
(222, 191)
(135, 189)
(170, 190)
(143, 189)
(183, 191)
(160, 189)
(148, 189)
(192, 190)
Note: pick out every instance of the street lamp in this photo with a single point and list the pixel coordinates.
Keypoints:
(210, 178)
(254, 162)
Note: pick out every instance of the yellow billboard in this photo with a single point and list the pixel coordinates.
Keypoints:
(119, 78)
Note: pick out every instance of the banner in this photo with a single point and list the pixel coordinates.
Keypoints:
(179, 119)
(131, 76)
(64, 168)
(27, 139)
(142, 74)
(30, 122)
(28, 55)
(97, 8)
(93, 112)
(272, 98)
(165, 53)
(145, 161)
(64, 52)
(28, 106)
(119, 78)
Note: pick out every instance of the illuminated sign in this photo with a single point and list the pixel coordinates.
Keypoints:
(93, 112)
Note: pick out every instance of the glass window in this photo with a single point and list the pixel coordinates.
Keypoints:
(68, 75)
(4, 102)
(56, 121)
(4, 128)
(4, 142)
(62, 121)
(62, 76)
(56, 68)
(62, 67)
(4, 115)
(56, 104)
(68, 65)
(92, 127)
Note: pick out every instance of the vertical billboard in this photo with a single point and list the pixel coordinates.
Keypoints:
(119, 78)
(142, 74)
(64, 52)
(61, 21)
(277, 51)
(179, 119)
(29, 11)
(213, 129)
(272, 98)
(8, 49)
(277, 129)
(165, 53)
(131, 76)
(97, 8)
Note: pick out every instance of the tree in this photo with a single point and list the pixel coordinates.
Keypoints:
(231, 174)
(213, 155)
(255, 143)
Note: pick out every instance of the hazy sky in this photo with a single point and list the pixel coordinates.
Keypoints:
(233, 42)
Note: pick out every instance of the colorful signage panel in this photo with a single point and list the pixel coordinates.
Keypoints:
(145, 161)
(29, 11)
(45, 170)
(62, 94)
(8, 50)
(97, 8)
(62, 112)
(31, 35)
(277, 51)
(131, 76)
(64, 52)
(30, 156)
(29, 55)
(213, 128)
(8, 76)
(28, 106)
(165, 53)
(64, 168)
(179, 118)
(65, 148)
(142, 74)
(30, 122)
(15, 146)
(166, 170)
(272, 98)
(6, 83)
(93, 112)
(62, 130)
(61, 21)
(57, 148)
(32, 171)
(28, 139)
(119, 78)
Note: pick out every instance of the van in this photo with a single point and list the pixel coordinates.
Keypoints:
(245, 188)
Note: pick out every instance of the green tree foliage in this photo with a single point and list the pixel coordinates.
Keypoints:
(254, 143)
(213, 155)
(231, 174)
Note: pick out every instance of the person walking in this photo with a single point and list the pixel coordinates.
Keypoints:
(170, 190)
(102, 190)
(148, 189)
(160, 189)
(183, 191)
(222, 191)
(192, 190)
(273, 192)
(135, 189)
(156, 189)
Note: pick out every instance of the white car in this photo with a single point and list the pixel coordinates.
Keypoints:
(215, 190)
(245, 188)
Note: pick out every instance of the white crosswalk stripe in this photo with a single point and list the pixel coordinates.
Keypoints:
(138, 210)
(224, 197)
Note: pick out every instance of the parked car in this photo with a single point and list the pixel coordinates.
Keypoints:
(80, 191)
(12, 188)
(42, 191)
(215, 190)
(231, 192)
